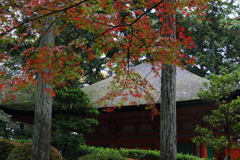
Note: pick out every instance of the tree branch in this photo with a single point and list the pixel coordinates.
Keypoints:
(124, 25)
(34, 19)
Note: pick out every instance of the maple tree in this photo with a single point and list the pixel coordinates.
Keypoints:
(122, 24)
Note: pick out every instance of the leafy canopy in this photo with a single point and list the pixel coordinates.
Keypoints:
(122, 26)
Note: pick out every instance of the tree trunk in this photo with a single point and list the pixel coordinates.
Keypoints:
(168, 135)
(168, 113)
(43, 107)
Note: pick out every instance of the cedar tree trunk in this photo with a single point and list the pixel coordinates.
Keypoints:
(168, 113)
(43, 107)
(168, 135)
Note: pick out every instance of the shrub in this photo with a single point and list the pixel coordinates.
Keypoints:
(23, 152)
(84, 150)
(140, 154)
(6, 146)
(181, 156)
(103, 156)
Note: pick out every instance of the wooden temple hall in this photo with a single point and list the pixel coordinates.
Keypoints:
(133, 126)
(136, 127)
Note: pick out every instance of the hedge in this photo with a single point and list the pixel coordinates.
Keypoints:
(139, 154)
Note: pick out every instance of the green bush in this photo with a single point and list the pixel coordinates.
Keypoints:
(23, 152)
(6, 146)
(181, 156)
(84, 150)
(103, 156)
(140, 154)
(152, 154)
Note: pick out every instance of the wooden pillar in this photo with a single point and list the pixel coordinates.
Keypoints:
(197, 151)
(203, 151)
(114, 144)
(216, 156)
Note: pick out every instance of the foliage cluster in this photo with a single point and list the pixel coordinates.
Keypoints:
(140, 154)
(181, 156)
(23, 152)
(84, 149)
(91, 70)
(223, 125)
(67, 126)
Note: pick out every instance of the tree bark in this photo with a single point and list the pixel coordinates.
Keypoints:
(168, 135)
(168, 113)
(43, 107)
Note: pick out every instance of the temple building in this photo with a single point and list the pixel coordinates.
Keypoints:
(135, 126)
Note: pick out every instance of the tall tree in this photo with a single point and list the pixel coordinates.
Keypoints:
(43, 106)
(216, 37)
(168, 131)
(222, 129)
